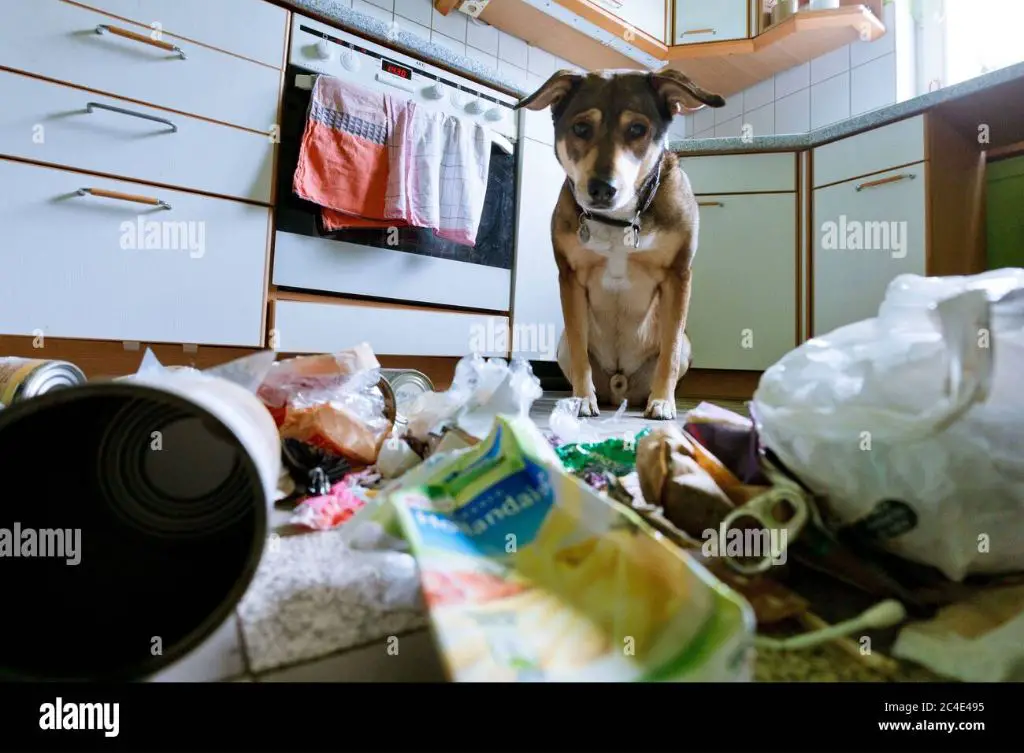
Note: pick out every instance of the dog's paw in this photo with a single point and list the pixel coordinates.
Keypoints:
(662, 410)
(588, 405)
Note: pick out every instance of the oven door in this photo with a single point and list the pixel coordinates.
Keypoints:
(397, 264)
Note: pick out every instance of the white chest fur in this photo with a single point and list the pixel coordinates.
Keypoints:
(616, 244)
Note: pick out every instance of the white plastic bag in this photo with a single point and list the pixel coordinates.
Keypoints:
(911, 424)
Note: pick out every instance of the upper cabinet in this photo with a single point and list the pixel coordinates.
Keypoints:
(711, 21)
(648, 16)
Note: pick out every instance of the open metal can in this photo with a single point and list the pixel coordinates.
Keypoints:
(406, 385)
(24, 378)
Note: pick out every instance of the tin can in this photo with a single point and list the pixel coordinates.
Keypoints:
(407, 385)
(24, 378)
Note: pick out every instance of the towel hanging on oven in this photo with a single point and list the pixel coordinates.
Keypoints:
(372, 160)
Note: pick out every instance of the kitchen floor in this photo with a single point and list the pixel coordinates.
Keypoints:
(317, 614)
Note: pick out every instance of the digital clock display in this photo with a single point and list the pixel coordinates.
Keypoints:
(396, 70)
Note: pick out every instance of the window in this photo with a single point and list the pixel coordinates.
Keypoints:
(962, 39)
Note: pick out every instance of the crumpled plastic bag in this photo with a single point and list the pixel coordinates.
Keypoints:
(481, 390)
(247, 372)
(909, 425)
(330, 401)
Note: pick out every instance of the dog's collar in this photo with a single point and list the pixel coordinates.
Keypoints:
(645, 197)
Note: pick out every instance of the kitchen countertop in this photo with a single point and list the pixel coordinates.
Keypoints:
(335, 11)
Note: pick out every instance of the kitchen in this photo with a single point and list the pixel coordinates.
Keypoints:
(859, 141)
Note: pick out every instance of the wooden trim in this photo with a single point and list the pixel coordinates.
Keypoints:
(1005, 152)
(799, 249)
(605, 19)
(288, 295)
(147, 40)
(709, 384)
(809, 245)
(876, 172)
(444, 7)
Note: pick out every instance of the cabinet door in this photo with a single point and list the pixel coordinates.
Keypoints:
(743, 301)
(536, 307)
(646, 15)
(865, 232)
(711, 20)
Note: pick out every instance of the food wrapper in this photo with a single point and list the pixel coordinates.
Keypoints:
(529, 575)
(329, 510)
(331, 402)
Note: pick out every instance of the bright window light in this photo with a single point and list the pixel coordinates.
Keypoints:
(982, 36)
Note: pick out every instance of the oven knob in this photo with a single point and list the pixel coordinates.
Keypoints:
(435, 91)
(350, 60)
(494, 114)
(475, 107)
(324, 50)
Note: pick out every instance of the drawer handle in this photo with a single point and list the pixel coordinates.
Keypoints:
(90, 106)
(123, 197)
(700, 31)
(117, 31)
(710, 204)
(884, 181)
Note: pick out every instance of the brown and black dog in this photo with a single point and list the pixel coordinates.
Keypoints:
(624, 232)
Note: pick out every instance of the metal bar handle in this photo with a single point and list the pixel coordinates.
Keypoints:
(104, 193)
(90, 106)
(117, 31)
(884, 181)
(710, 204)
(699, 31)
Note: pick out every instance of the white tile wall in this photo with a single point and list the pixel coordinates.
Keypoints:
(851, 80)
(527, 66)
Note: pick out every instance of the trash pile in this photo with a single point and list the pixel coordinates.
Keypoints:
(880, 458)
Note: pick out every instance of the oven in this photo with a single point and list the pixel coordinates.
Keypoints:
(408, 265)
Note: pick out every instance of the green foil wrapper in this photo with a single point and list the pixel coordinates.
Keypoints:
(617, 455)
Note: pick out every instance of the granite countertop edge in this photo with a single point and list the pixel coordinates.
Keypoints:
(393, 36)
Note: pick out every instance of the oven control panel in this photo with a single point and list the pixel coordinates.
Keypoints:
(320, 48)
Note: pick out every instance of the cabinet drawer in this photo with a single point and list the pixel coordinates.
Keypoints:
(77, 266)
(743, 304)
(312, 327)
(57, 40)
(53, 123)
(870, 152)
(862, 240)
(741, 173)
(254, 29)
(717, 21)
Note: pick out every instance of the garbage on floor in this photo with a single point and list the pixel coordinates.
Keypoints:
(874, 494)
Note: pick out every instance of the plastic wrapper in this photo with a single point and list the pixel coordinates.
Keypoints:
(331, 402)
(247, 372)
(908, 425)
(324, 512)
(396, 457)
(481, 390)
(529, 575)
(617, 455)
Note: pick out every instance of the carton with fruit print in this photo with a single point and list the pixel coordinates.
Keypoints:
(529, 575)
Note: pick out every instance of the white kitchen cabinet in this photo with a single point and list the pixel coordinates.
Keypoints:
(711, 20)
(536, 306)
(743, 301)
(865, 232)
(646, 15)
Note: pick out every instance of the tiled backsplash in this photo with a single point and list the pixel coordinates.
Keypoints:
(851, 80)
(524, 65)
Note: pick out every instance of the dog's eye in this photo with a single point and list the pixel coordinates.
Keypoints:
(582, 130)
(637, 130)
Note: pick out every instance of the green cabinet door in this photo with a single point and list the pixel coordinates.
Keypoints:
(1005, 213)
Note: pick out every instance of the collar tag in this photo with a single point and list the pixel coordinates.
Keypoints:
(584, 231)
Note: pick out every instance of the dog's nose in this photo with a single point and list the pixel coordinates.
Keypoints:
(601, 191)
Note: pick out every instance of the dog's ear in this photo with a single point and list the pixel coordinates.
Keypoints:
(552, 92)
(680, 94)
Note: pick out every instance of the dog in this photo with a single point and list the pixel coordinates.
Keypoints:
(624, 232)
